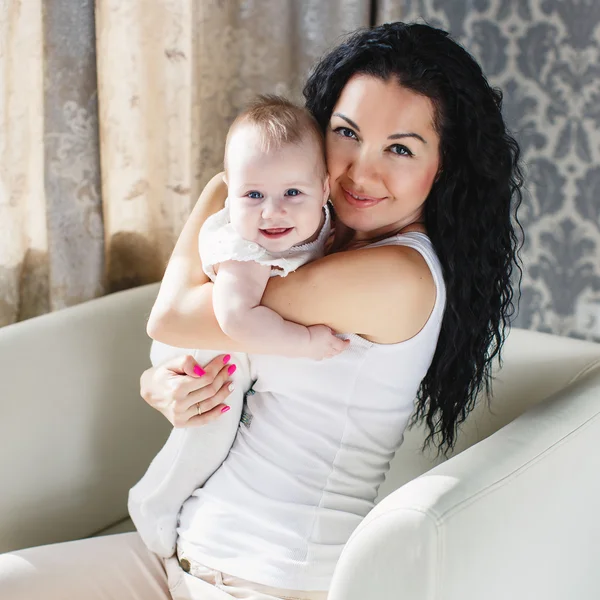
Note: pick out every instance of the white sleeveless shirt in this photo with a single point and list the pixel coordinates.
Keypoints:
(314, 444)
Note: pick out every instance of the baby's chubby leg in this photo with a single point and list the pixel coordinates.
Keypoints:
(188, 458)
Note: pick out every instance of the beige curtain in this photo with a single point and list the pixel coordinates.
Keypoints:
(23, 235)
(113, 116)
(171, 78)
(51, 232)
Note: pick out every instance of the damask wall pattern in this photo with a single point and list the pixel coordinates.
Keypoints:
(545, 55)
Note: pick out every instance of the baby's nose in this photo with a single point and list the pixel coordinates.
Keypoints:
(273, 207)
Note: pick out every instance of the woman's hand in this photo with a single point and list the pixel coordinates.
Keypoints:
(187, 394)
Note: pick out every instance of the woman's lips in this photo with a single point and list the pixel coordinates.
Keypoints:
(276, 232)
(360, 200)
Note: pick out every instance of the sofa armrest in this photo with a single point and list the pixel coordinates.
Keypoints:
(75, 433)
(514, 516)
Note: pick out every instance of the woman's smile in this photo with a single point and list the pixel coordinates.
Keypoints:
(360, 200)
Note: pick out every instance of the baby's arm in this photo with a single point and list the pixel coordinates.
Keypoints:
(238, 291)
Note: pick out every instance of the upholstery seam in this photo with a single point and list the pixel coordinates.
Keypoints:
(583, 371)
(518, 472)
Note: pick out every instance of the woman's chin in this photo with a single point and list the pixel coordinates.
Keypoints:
(352, 218)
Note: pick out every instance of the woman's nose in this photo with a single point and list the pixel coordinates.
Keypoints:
(362, 169)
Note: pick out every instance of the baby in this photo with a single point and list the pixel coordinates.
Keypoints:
(275, 219)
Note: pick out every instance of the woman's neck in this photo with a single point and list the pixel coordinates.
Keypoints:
(345, 238)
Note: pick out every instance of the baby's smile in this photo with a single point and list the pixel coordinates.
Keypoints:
(276, 232)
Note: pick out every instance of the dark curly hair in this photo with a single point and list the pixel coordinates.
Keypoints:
(470, 213)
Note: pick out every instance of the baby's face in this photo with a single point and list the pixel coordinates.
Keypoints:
(275, 198)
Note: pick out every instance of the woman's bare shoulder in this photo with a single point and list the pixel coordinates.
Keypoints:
(384, 293)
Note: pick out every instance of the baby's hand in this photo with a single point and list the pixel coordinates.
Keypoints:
(323, 343)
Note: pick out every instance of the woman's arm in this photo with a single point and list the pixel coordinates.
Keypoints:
(385, 294)
(182, 289)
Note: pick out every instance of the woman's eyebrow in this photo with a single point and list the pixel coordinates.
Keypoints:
(394, 136)
(399, 136)
(349, 121)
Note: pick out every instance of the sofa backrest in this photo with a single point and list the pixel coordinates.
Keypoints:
(535, 366)
(75, 434)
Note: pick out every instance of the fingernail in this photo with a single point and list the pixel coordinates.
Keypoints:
(226, 359)
(199, 371)
(231, 387)
(225, 409)
(231, 369)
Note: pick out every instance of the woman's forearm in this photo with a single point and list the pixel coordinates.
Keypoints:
(191, 323)
(180, 297)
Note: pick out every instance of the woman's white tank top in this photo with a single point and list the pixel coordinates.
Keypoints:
(314, 444)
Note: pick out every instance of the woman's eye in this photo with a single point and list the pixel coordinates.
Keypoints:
(293, 192)
(345, 132)
(400, 150)
(254, 195)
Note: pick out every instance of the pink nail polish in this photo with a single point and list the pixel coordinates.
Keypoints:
(226, 359)
(199, 371)
(225, 409)
(231, 369)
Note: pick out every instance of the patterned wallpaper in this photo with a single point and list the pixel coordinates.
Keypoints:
(545, 55)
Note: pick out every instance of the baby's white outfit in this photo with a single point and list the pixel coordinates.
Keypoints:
(219, 242)
(191, 455)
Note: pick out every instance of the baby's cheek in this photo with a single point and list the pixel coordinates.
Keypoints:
(311, 219)
(244, 222)
(236, 216)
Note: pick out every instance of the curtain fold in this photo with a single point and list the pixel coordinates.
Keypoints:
(24, 240)
(171, 78)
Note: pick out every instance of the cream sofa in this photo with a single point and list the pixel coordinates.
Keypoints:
(515, 513)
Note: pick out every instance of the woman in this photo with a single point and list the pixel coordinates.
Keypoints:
(424, 178)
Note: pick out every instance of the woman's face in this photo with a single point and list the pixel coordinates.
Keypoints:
(382, 156)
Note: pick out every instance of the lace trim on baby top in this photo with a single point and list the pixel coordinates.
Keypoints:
(218, 242)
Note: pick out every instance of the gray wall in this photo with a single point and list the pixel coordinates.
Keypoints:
(545, 55)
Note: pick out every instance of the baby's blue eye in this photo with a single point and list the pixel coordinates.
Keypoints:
(254, 195)
(293, 192)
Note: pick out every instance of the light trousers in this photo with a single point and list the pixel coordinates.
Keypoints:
(120, 567)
